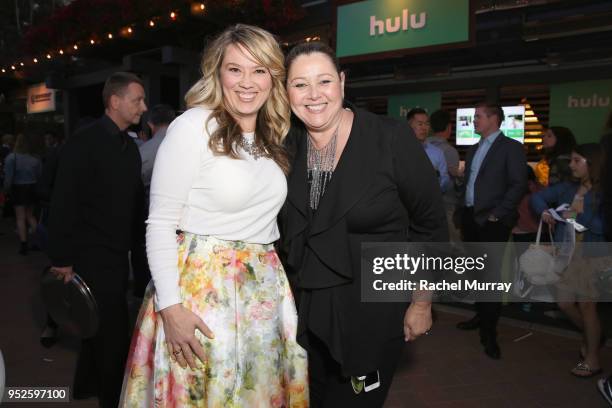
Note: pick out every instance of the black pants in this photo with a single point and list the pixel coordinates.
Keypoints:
(138, 255)
(329, 389)
(489, 312)
(101, 360)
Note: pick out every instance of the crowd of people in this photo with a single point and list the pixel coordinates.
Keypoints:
(499, 194)
(257, 200)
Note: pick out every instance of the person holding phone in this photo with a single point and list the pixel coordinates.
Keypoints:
(577, 291)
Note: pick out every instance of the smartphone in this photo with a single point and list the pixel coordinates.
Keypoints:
(371, 381)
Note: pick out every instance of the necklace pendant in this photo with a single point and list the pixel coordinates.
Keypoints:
(251, 148)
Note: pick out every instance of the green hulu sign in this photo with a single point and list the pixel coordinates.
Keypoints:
(581, 106)
(379, 26)
(392, 25)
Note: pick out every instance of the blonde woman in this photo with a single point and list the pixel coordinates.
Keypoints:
(217, 327)
(21, 173)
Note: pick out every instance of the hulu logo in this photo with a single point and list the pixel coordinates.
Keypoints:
(589, 102)
(393, 25)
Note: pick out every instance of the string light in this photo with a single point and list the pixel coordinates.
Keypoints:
(197, 8)
(200, 7)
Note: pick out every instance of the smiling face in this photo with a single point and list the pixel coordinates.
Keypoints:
(246, 86)
(316, 91)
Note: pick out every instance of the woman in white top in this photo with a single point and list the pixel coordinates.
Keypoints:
(217, 327)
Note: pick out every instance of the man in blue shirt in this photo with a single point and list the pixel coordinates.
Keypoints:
(419, 122)
(441, 128)
(496, 180)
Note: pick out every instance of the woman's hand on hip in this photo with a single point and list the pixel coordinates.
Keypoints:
(180, 325)
(417, 320)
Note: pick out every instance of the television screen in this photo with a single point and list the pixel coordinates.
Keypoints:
(513, 126)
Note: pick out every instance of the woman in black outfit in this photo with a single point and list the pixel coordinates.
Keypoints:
(356, 177)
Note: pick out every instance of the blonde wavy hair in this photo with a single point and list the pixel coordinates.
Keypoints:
(273, 119)
(23, 144)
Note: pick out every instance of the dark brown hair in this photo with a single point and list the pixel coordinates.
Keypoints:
(565, 142)
(415, 111)
(593, 154)
(116, 84)
(439, 121)
(307, 48)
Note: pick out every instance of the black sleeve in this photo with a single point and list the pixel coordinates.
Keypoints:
(516, 170)
(47, 177)
(140, 215)
(418, 187)
(63, 215)
(290, 144)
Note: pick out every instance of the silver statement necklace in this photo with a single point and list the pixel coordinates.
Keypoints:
(251, 148)
(320, 167)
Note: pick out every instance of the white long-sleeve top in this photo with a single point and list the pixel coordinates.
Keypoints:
(195, 191)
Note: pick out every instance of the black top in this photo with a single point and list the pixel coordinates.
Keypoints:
(49, 171)
(97, 197)
(384, 189)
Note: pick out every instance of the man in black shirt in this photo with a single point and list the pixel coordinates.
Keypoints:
(95, 205)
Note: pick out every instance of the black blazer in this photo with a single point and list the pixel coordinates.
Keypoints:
(501, 181)
(98, 194)
(384, 189)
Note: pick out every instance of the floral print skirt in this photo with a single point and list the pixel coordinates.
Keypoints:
(241, 292)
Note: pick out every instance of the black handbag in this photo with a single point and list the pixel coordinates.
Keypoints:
(71, 304)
